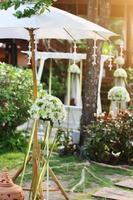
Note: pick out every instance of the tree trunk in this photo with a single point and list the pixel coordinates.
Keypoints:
(101, 9)
(90, 89)
(104, 12)
(92, 11)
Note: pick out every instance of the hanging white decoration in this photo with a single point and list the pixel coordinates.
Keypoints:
(120, 73)
(94, 53)
(75, 52)
(74, 69)
(121, 49)
(110, 57)
(29, 53)
(118, 93)
(120, 61)
(36, 43)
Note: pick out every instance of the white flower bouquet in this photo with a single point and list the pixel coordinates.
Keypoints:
(118, 93)
(48, 107)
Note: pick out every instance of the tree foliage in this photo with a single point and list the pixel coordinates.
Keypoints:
(37, 7)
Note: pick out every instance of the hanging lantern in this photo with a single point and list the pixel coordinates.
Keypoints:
(8, 190)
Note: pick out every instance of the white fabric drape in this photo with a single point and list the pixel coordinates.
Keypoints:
(75, 90)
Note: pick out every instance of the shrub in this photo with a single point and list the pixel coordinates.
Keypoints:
(110, 140)
(64, 142)
(17, 141)
(15, 98)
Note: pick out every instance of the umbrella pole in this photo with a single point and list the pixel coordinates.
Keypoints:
(36, 147)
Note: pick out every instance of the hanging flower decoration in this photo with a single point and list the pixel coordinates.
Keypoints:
(120, 73)
(119, 60)
(74, 69)
(118, 93)
(48, 107)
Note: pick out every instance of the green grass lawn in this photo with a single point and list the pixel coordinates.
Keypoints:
(69, 170)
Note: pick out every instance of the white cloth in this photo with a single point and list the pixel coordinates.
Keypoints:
(75, 90)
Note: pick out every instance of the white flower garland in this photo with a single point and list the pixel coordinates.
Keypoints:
(48, 107)
(118, 93)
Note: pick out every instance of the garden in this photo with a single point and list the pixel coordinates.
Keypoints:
(56, 139)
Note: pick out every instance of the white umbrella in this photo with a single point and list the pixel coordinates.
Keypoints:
(54, 23)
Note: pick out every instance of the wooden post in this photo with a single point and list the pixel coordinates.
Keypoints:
(36, 147)
(33, 63)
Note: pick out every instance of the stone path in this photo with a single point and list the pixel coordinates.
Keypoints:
(114, 194)
(126, 183)
(117, 193)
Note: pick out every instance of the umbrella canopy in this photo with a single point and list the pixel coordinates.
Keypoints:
(52, 24)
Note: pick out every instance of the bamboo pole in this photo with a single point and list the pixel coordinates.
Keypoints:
(36, 148)
(58, 184)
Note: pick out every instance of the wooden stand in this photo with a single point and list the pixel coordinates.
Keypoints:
(36, 153)
(53, 176)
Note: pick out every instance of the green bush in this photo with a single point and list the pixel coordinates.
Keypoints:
(15, 98)
(110, 140)
(64, 142)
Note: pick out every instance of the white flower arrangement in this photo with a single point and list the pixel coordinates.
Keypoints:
(74, 69)
(118, 93)
(120, 60)
(48, 107)
(120, 73)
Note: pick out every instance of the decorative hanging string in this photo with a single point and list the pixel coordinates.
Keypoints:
(36, 43)
(75, 53)
(94, 52)
(29, 53)
(110, 57)
(121, 49)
